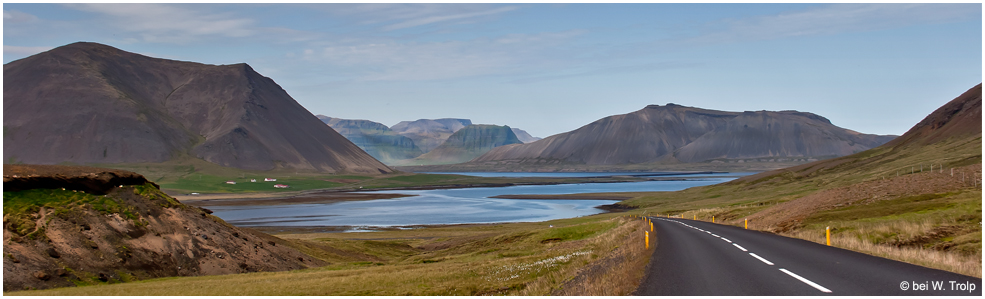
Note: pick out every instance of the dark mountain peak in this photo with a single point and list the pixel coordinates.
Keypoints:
(92, 103)
(89, 47)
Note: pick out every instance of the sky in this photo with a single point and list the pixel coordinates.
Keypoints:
(552, 68)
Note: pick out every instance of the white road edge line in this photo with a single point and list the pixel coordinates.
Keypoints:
(808, 282)
(740, 247)
(727, 240)
(761, 259)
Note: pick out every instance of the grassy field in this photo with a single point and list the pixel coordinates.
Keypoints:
(184, 176)
(500, 259)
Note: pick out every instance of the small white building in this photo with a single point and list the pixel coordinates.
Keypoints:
(281, 186)
(269, 180)
(253, 180)
(231, 182)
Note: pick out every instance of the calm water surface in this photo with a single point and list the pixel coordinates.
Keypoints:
(450, 206)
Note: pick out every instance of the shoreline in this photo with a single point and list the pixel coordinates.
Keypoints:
(344, 194)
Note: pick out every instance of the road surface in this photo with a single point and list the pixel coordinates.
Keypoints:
(701, 258)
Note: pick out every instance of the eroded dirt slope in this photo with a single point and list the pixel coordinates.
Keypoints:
(55, 238)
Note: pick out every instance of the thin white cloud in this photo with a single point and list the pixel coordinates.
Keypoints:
(391, 60)
(169, 23)
(834, 19)
(402, 16)
(23, 51)
(13, 16)
(647, 67)
(442, 18)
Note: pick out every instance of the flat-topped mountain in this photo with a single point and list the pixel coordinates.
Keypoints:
(467, 144)
(375, 138)
(91, 103)
(675, 133)
(430, 133)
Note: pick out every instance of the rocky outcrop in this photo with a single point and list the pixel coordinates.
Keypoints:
(92, 180)
(89, 103)
(56, 237)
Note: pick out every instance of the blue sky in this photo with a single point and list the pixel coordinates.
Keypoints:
(551, 68)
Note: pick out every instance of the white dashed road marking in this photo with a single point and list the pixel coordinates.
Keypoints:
(808, 282)
(761, 259)
(804, 280)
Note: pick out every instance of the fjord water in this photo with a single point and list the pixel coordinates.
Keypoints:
(451, 206)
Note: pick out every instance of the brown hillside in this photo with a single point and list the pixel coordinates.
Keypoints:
(91, 103)
(56, 237)
(675, 133)
(959, 118)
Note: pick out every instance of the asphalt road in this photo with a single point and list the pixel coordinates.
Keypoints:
(701, 258)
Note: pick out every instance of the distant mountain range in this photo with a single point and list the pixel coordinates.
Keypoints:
(679, 134)
(375, 138)
(90, 103)
(524, 136)
(467, 144)
(428, 134)
(401, 142)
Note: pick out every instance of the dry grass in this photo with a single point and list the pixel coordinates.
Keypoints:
(500, 259)
(618, 273)
(967, 264)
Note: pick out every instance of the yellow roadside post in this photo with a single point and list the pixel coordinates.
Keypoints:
(651, 226)
(747, 223)
(694, 217)
(827, 232)
(712, 219)
(647, 240)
